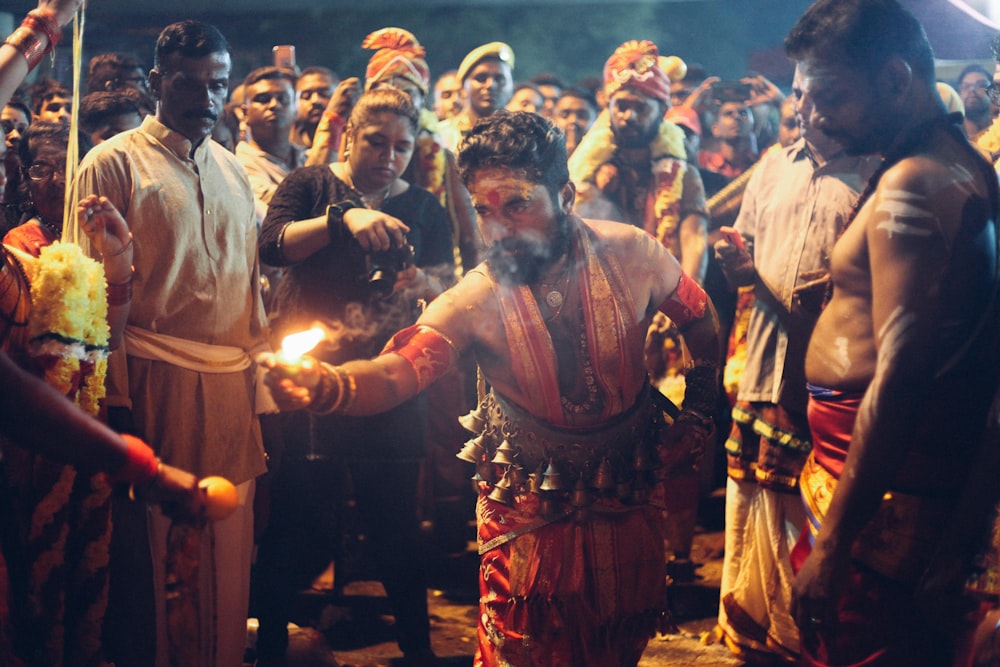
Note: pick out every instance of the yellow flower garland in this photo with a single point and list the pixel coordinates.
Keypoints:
(68, 329)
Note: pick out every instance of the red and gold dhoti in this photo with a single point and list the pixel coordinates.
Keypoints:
(878, 623)
(571, 563)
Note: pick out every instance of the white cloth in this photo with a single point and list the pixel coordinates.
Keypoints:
(201, 358)
(226, 549)
(761, 527)
(189, 354)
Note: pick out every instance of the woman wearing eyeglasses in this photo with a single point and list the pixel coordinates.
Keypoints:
(43, 186)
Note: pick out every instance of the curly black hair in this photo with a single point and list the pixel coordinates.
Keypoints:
(516, 140)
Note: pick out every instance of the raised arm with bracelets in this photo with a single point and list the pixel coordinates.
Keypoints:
(26, 46)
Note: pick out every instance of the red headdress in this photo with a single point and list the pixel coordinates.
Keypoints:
(636, 65)
(397, 53)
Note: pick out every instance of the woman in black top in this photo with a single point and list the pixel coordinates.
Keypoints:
(332, 226)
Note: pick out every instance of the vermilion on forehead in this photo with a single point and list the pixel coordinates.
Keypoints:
(496, 190)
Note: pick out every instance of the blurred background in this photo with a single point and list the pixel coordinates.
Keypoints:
(572, 39)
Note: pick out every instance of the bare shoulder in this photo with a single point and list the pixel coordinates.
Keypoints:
(652, 271)
(945, 176)
(464, 311)
(622, 239)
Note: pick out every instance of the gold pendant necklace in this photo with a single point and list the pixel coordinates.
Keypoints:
(555, 294)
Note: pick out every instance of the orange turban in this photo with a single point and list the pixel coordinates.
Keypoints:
(635, 65)
(397, 53)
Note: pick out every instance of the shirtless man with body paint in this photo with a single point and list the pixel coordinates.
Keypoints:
(900, 363)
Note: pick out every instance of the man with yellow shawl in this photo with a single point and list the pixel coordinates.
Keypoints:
(631, 167)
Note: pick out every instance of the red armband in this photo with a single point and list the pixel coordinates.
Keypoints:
(429, 353)
(688, 302)
(141, 464)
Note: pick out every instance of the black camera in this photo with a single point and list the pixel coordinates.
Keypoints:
(385, 266)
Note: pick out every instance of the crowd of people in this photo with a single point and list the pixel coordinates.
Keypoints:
(597, 299)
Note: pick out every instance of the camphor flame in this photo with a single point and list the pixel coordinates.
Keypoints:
(293, 346)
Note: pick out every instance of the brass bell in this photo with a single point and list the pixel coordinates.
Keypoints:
(603, 478)
(642, 460)
(502, 492)
(473, 450)
(518, 476)
(486, 471)
(505, 453)
(536, 478)
(551, 479)
(475, 420)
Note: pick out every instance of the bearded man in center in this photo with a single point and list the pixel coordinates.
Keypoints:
(572, 453)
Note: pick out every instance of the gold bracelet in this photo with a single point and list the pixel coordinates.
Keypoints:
(352, 392)
(335, 370)
(321, 402)
(29, 44)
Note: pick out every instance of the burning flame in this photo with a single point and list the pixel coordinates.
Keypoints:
(297, 344)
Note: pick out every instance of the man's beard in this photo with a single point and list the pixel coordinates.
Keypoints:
(635, 137)
(522, 262)
(977, 108)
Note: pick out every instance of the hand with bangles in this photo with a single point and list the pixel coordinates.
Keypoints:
(293, 384)
(62, 9)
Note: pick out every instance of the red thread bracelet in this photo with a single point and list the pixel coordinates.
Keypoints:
(141, 465)
(120, 293)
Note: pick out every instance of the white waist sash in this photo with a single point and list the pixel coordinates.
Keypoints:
(197, 357)
(189, 354)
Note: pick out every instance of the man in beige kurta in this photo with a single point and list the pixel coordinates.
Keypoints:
(184, 369)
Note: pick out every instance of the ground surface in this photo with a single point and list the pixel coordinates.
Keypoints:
(354, 628)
